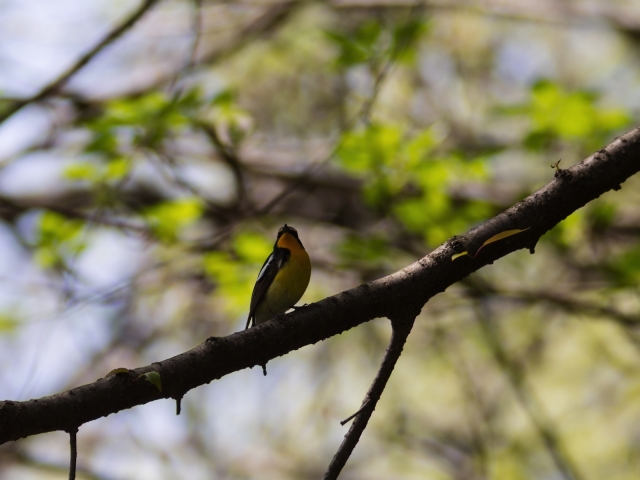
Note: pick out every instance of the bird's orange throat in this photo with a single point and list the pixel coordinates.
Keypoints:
(289, 242)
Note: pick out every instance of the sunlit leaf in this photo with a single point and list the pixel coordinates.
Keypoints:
(154, 379)
(235, 273)
(169, 218)
(57, 238)
(500, 236)
(458, 255)
(117, 169)
(252, 247)
(81, 171)
(570, 116)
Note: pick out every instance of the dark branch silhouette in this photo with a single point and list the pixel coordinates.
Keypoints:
(392, 296)
(401, 327)
(73, 447)
(59, 82)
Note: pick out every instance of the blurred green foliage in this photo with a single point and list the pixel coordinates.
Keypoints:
(571, 116)
(140, 122)
(58, 239)
(226, 114)
(408, 98)
(116, 169)
(367, 251)
(235, 272)
(407, 176)
(168, 219)
(9, 322)
(372, 42)
(625, 268)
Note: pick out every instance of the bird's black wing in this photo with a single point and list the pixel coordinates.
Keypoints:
(268, 272)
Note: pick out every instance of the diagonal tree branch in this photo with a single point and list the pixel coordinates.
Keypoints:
(406, 290)
(401, 328)
(273, 16)
(59, 82)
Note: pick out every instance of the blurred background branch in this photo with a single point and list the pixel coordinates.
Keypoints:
(62, 79)
(129, 234)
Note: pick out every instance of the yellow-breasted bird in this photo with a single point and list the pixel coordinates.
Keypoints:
(282, 280)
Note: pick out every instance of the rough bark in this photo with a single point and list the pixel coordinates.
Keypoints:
(407, 289)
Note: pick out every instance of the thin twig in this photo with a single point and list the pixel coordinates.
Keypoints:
(401, 329)
(566, 303)
(629, 323)
(264, 25)
(559, 14)
(10, 208)
(230, 157)
(414, 285)
(173, 175)
(59, 82)
(193, 50)
(534, 409)
(197, 33)
(74, 453)
(363, 114)
(351, 417)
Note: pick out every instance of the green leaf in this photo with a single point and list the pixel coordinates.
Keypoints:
(102, 142)
(81, 171)
(350, 51)
(613, 119)
(625, 268)
(57, 238)
(569, 116)
(252, 247)
(500, 236)
(369, 149)
(570, 232)
(114, 170)
(8, 323)
(412, 214)
(419, 147)
(405, 38)
(368, 33)
(154, 379)
(168, 219)
(235, 273)
(117, 169)
(224, 98)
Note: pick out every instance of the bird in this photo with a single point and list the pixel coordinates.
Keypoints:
(282, 280)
